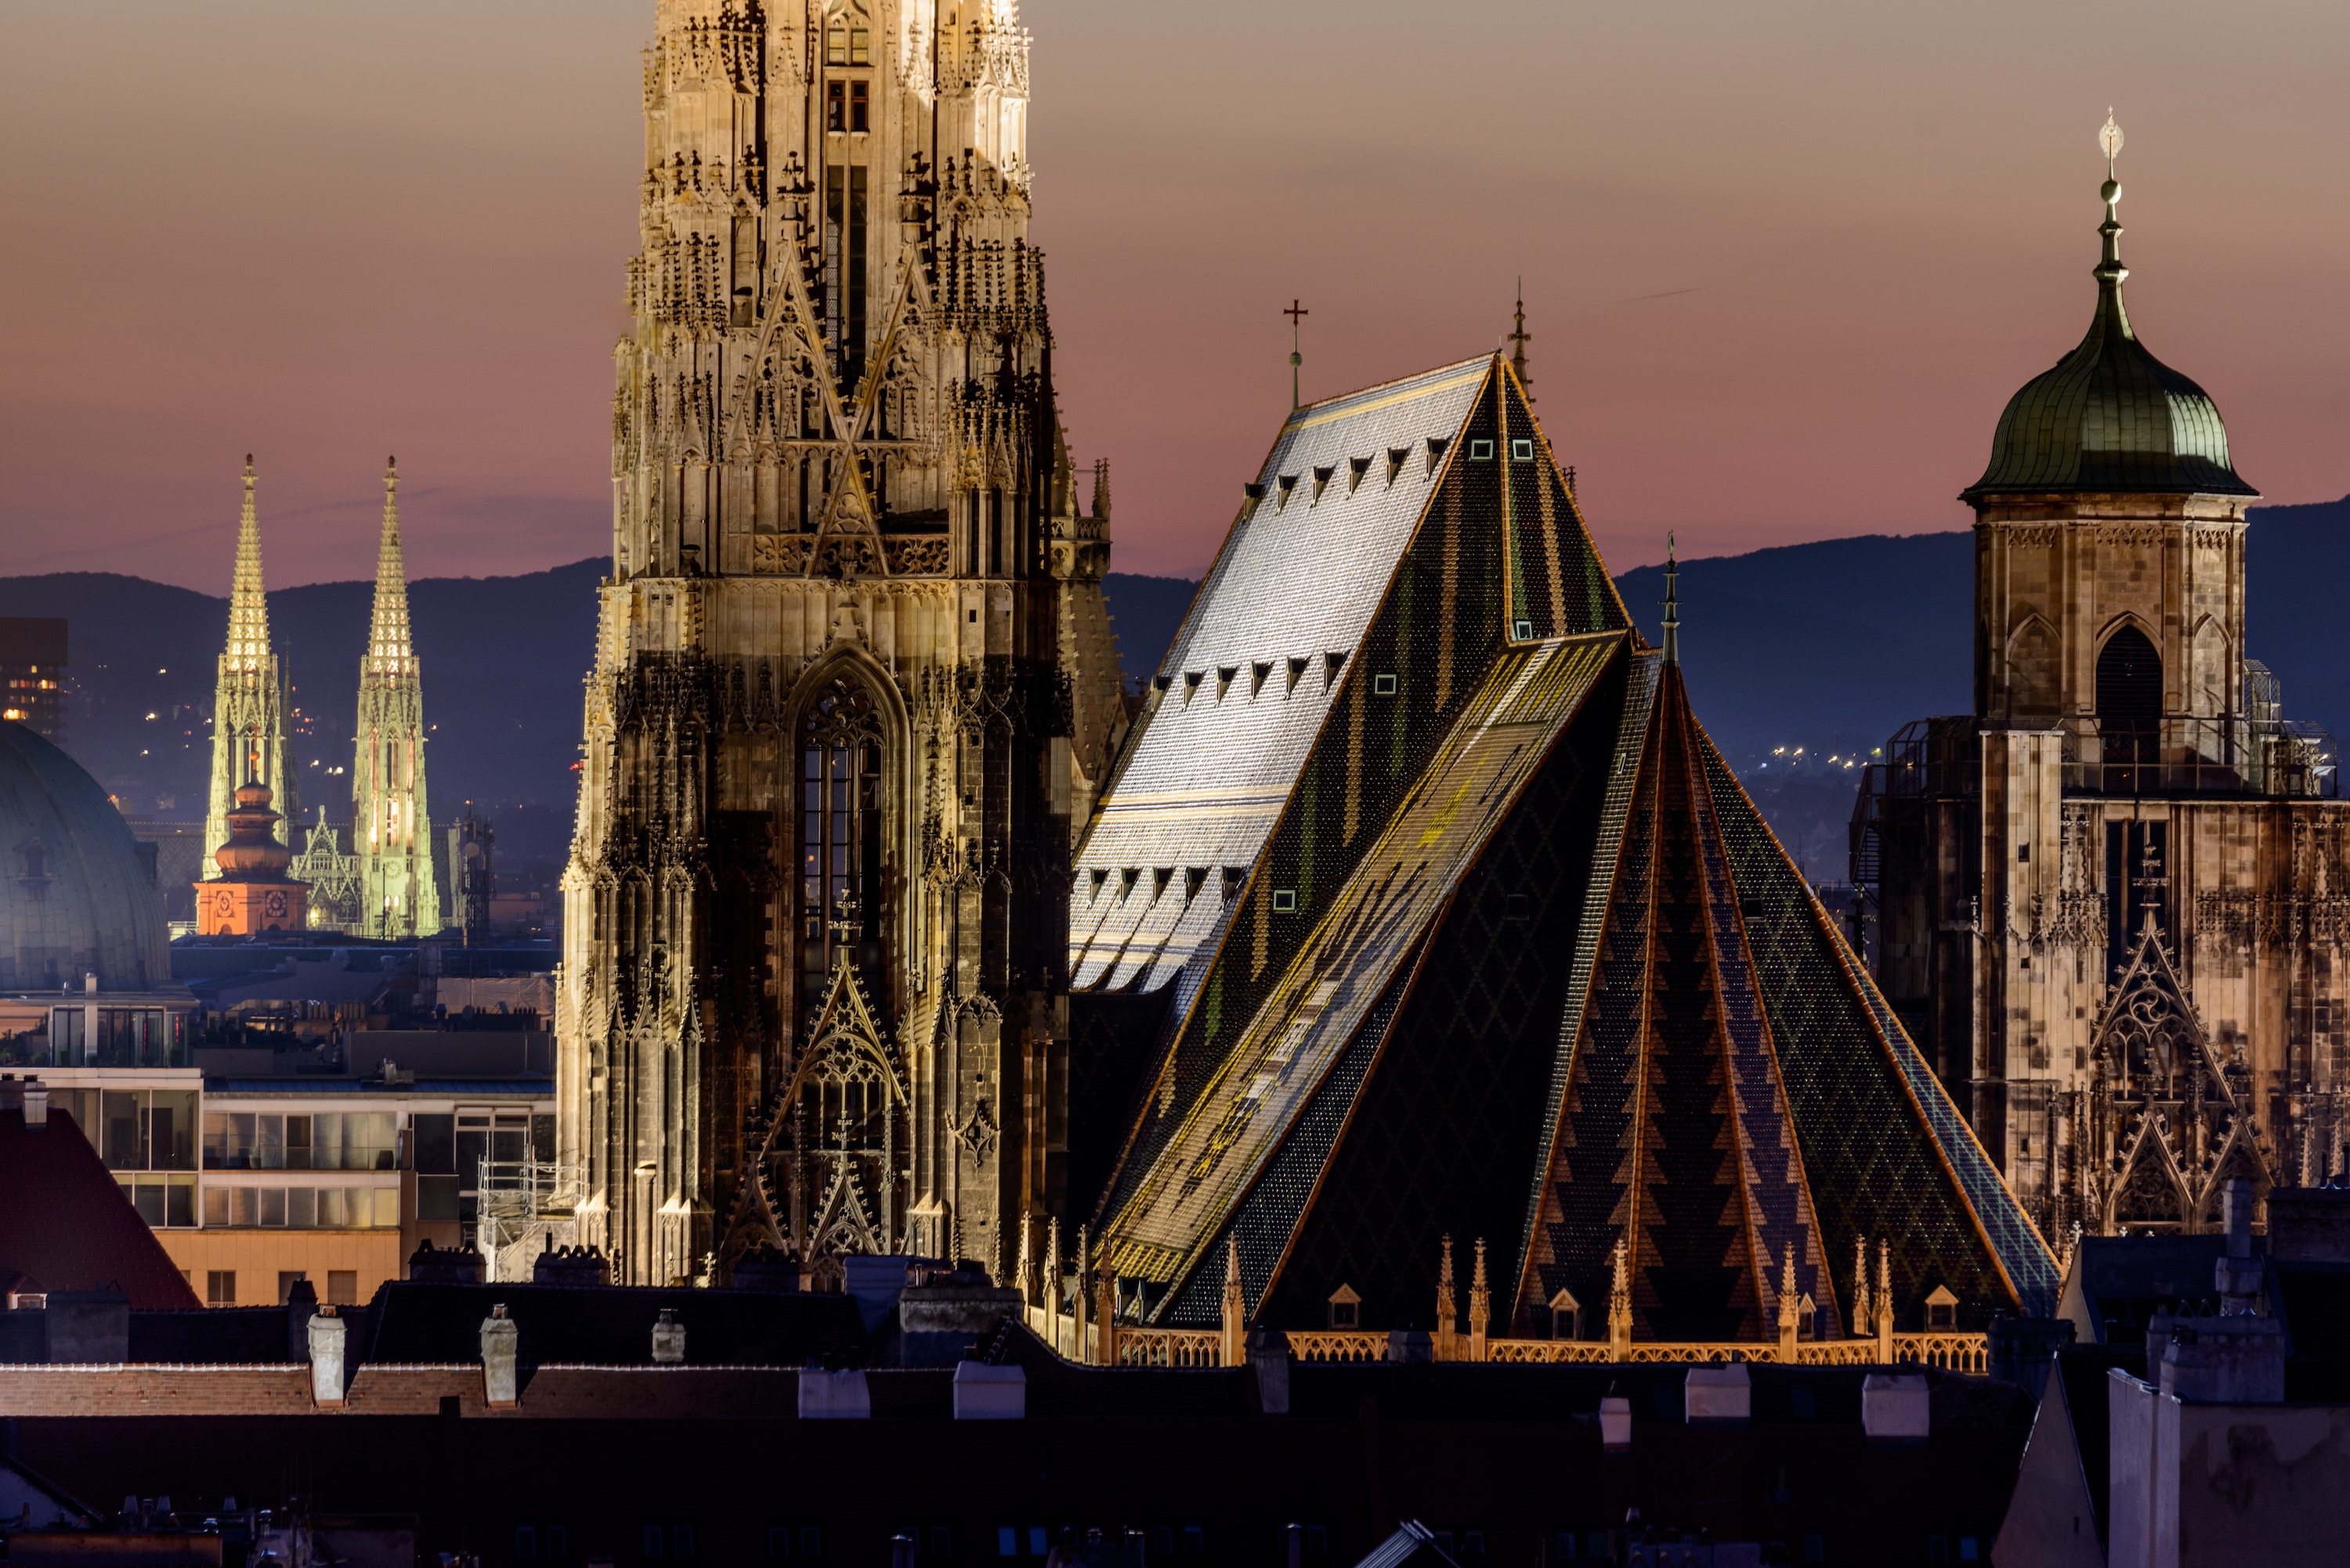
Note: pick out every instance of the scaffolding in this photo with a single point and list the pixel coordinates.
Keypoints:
(522, 1207)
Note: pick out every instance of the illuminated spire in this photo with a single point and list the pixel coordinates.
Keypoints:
(251, 702)
(248, 604)
(391, 828)
(388, 652)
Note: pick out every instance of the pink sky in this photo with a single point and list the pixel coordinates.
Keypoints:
(1784, 264)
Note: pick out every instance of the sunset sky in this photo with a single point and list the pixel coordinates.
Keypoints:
(1783, 264)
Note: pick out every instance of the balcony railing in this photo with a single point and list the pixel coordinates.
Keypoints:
(1080, 1342)
(227, 1156)
(1941, 759)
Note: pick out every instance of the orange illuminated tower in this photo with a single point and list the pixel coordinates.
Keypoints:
(252, 893)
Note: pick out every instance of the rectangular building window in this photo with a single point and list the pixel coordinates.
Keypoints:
(68, 1043)
(435, 1139)
(525, 1542)
(858, 115)
(219, 1287)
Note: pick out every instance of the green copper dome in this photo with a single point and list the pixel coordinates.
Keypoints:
(2110, 416)
(76, 897)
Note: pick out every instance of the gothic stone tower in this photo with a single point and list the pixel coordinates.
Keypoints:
(250, 701)
(855, 681)
(2113, 906)
(391, 831)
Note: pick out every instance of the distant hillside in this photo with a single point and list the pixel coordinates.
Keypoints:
(502, 658)
(1829, 646)
(1836, 644)
(502, 661)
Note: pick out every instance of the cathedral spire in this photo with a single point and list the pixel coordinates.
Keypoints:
(248, 603)
(388, 652)
(250, 700)
(392, 830)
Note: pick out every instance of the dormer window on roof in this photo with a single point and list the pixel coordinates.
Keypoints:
(1436, 445)
(1287, 481)
(1322, 473)
(1396, 454)
(1356, 467)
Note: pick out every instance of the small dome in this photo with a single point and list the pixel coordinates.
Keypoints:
(2110, 416)
(253, 853)
(76, 896)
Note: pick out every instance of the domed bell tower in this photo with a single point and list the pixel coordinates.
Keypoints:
(2107, 900)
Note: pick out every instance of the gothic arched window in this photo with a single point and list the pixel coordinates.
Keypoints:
(2129, 699)
(847, 40)
(841, 823)
(2129, 680)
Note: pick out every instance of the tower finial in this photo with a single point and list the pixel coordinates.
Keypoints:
(1294, 313)
(2110, 271)
(1673, 605)
(1518, 338)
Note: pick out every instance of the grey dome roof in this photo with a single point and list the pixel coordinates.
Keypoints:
(2110, 416)
(76, 898)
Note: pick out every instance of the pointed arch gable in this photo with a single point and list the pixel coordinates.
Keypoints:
(2034, 667)
(2211, 661)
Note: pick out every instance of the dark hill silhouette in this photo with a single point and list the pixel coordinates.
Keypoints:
(1829, 646)
(502, 661)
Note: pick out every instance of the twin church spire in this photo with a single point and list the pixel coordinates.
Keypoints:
(385, 887)
(390, 828)
(252, 698)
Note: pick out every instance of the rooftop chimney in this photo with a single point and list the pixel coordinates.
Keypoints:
(668, 1338)
(500, 1340)
(2236, 1275)
(326, 1332)
(1615, 1424)
(36, 1105)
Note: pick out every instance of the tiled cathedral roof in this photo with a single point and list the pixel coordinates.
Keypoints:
(1738, 1091)
(1511, 945)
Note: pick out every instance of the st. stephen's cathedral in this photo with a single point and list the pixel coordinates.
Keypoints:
(1409, 896)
